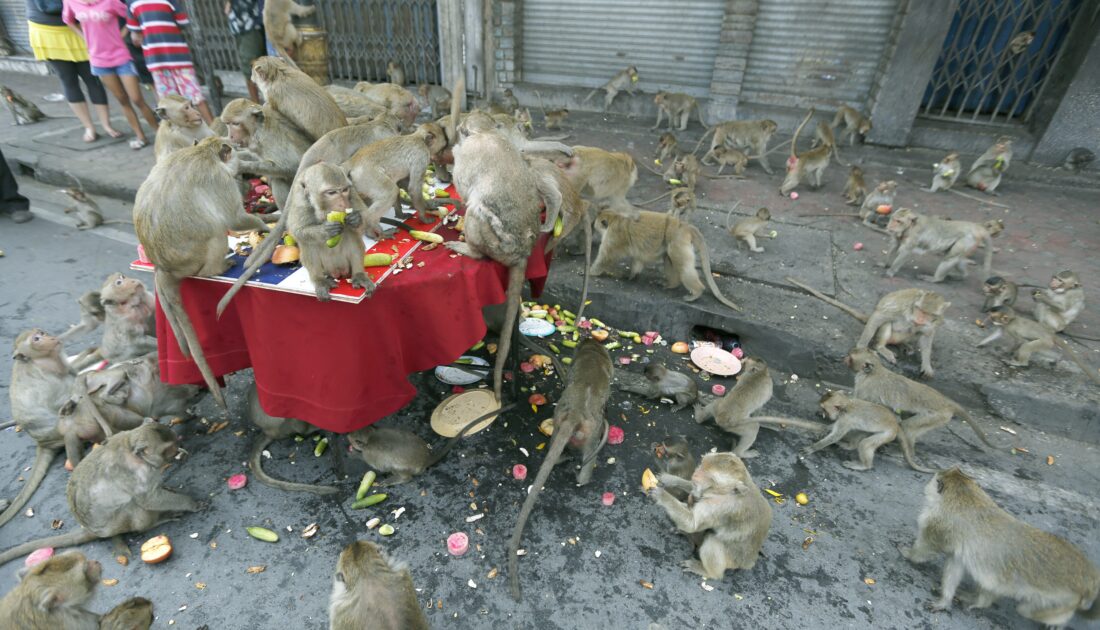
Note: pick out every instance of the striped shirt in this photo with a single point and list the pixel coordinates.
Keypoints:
(159, 22)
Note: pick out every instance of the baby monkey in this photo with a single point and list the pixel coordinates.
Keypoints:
(674, 458)
(88, 214)
(855, 189)
(746, 230)
(876, 425)
(1059, 304)
(998, 292)
(946, 171)
(1050, 578)
(662, 382)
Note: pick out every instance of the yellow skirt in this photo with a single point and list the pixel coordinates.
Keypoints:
(56, 42)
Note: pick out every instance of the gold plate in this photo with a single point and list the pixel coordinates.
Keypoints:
(457, 410)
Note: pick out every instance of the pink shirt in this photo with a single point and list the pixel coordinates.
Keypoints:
(99, 21)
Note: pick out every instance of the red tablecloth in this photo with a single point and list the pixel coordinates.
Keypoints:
(344, 366)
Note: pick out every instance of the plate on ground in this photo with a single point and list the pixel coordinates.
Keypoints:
(534, 327)
(458, 410)
(452, 375)
(715, 360)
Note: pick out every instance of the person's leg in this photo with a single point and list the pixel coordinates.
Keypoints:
(70, 85)
(10, 199)
(98, 96)
(133, 90)
(113, 83)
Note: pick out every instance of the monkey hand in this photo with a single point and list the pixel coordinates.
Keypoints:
(353, 219)
(332, 228)
(928, 374)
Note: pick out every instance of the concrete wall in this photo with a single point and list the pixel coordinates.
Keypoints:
(1076, 121)
(733, 54)
(507, 34)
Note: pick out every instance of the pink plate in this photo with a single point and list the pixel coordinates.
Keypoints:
(715, 360)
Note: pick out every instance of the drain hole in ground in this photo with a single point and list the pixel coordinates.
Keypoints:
(723, 339)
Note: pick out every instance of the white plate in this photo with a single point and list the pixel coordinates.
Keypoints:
(454, 376)
(715, 360)
(533, 327)
(457, 410)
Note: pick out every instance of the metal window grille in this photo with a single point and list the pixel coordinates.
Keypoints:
(363, 36)
(997, 58)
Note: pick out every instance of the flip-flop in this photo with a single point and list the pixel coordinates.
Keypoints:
(138, 143)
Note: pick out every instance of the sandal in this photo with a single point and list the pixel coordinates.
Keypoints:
(138, 143)
(90, 135)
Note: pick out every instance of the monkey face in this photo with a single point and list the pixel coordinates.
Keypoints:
(865, 127)
(861, 360)
(118, 288)
(764, 214)
(154, 443)
(36, 343)
(1063, 281)
(768, 126)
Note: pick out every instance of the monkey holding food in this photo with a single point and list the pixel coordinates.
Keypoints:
(652, 237)
(623, 80)
(661, 382)
(881, 197)
(728, 510)
(876, 425)
(998, 291)
(371, 590)
(746, 230)
(985, 173)
(915, 234)
(1050, 578)
(1058, 305)
(277, 141)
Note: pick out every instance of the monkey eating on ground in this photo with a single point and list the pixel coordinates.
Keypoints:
(669, 147)
(733, 412)
(745, 230)
(135, 613)
(876, 424)
(41, 381)
(402, 454)
(854, 123)
(271, 429)
(623, 80)
(88, 214)
(117, 490)
(882, 196)
(371, 590)
(652, 237)
(1050, 578)
(181, 126)
(277, 141)
(809, 164)
(929, 408)
(579, 423)
(677, 106)
(683, 171)
(296, 96)
(552, 118)
(661, 382)
(1033, 338)
(279, 28)
(985, 173)
(395, 73)
(855, 189)
(674, 458)
(745, 135)
(181, 214)
(998, 292)
(915, 234)
(51, 595)
(728, 510)
(22, 111)
(1059, 305)
(437, 97)
(945, 172)
(681, 203)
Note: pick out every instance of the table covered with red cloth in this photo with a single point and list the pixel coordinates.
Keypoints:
(343, 366)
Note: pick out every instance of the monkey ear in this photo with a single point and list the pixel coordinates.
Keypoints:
(867, 367)
(48, 599)
(429, 137)
(257, 112)
(939, 485)
(68, 408)
(225, 152)
(19, 356)
(162, 113)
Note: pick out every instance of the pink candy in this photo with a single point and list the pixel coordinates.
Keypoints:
(624, 360)
(236, 482)
(519, 471)
(526, 367)
(458, 544)
(615, 435)
(737, 352)
(38, 555)
(857, 246)
(794, 195)
(608, 498)
(585, 324)
(718, 389)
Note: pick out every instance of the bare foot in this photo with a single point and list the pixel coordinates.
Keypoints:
(111, 131)
(89, 135)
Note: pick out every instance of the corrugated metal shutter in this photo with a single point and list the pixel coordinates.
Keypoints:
(584, 43)
(807, 51)
(14, 14)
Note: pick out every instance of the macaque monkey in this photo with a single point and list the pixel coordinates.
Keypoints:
(661, 382)
(809, 164)
(371, 590)
(674, 457)
(681, 203)
(1050, 578)
(510, 128)
(624, 80)
(750, 135)
(51, 595)
(317, 192)
(379, 168)
(677, 106)
(929, 408)
(985, 173)
(135, 613)
(946, 171)
(854, 123)
(1033, 338)
(277, 141)
(181, 125)
(402, 455)
(117, 490)
(915, 234)
(395, 73)
(552, 118)
(1060, 304)
(998, 292)
(87, 417)
(574, 211)
(883, 195)
(1078, 159)
(23, 112)
(668, 147)
(88, 214)
(725, 156)
(137, 386)
(399, 101)
(733, 412)
(604, 176)
(876, 425)
(41, 380)
(685, 169)
(355, 104)
(855, 189)
(280, 29)
(92, 315)
(437, 97)
(728, 510)
(653, 237)
(271, 429)
(182, 212)
(579, 423)
(507, 104)
(130, 325)
(296, 96)
(745, 230)
(338, 145)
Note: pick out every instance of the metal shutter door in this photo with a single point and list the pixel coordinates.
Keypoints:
(14, 14)
(584, 43)
(807, 51)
